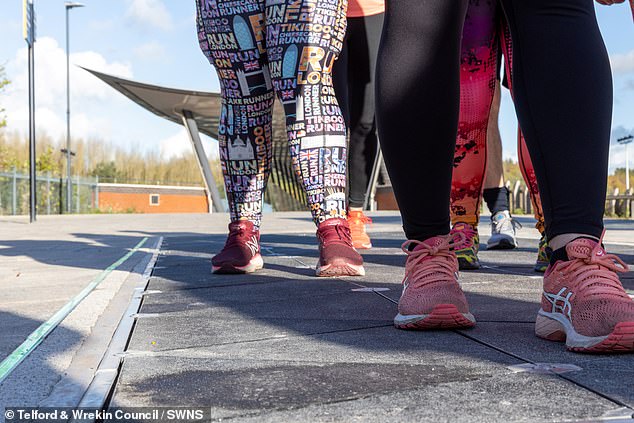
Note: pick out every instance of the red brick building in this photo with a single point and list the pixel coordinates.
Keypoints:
(128, 198)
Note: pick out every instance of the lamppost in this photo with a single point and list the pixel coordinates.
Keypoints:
(69, 189)
(625, 141)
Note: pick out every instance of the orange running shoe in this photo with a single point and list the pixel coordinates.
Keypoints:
(584, 302)
(432, 297)
(357, 221)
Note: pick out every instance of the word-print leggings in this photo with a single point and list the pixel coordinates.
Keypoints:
(261, 48)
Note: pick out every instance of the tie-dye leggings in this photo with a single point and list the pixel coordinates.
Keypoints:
(485, 32)
(261, 48)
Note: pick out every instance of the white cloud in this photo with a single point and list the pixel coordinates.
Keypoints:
(175, 145)
(50, 90)
(151, 51)
(622, 63)
(150, 12)
(179, 144)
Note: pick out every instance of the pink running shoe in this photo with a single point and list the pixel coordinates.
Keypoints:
(241, 253)
(432, 297)
(584, 302)
(337, 257)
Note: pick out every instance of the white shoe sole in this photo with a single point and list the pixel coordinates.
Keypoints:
(256, 263)
(501, 242)
(556, 327)
(443, 316)
(339, 269)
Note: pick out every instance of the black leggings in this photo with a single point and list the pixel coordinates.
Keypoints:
(563, 98)
(353, 78)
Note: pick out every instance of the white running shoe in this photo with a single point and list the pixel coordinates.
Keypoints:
(503, 228)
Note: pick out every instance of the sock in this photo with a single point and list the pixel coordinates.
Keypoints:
(497, 199)
(560, 254)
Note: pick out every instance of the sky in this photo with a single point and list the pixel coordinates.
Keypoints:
(154, 41)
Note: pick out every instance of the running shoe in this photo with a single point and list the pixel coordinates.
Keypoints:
(337, 256)
(543, 255)
(432, 297)
(357, 221)
(467, 254)
(584, 303)
(503, 228)
(241, 253)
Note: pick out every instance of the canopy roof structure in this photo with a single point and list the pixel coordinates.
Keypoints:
(169, 103)
(199, 112)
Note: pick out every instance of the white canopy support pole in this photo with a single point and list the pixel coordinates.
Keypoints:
(210, 184)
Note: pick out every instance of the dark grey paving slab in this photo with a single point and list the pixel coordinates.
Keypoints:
(611, 375)
(207, 320)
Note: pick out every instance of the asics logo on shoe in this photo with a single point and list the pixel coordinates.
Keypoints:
(253, 244)
(405, 285)
(560, 303)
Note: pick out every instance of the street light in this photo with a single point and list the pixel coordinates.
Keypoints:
(625, 141)
(69, 192)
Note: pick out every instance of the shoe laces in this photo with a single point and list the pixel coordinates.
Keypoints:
(596, 270)
(506, 223)
(359, 217)
(343, 235)
(421, 266)
(237, 236)
(467, 232)
(357, 222)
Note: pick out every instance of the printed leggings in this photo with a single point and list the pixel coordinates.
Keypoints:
(485, 32)
(564, 115)
(261, 48)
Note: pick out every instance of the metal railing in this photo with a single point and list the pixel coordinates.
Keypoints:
(50, 192)
(620, 205)
(617, 205)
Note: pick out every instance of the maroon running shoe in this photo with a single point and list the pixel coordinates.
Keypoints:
(241, 253)
(337, 257)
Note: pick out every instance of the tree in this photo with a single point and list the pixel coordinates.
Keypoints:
(106, 171)
(3, 83)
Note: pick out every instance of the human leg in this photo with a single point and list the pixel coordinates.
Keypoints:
(495, 193)
(303, 42)
(417, 115)
(583, 302)
(418, 106)
(235, 49)
(354, 82)
(478, 69)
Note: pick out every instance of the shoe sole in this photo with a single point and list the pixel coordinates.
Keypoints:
(362, 246)
(339, 268)
(443, 316)
(555, 327)
(464, 264)
(256, 263)
(503, 244)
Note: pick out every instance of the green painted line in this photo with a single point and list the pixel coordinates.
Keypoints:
(9, 364)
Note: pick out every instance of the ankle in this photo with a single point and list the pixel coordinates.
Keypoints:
(560, 241)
